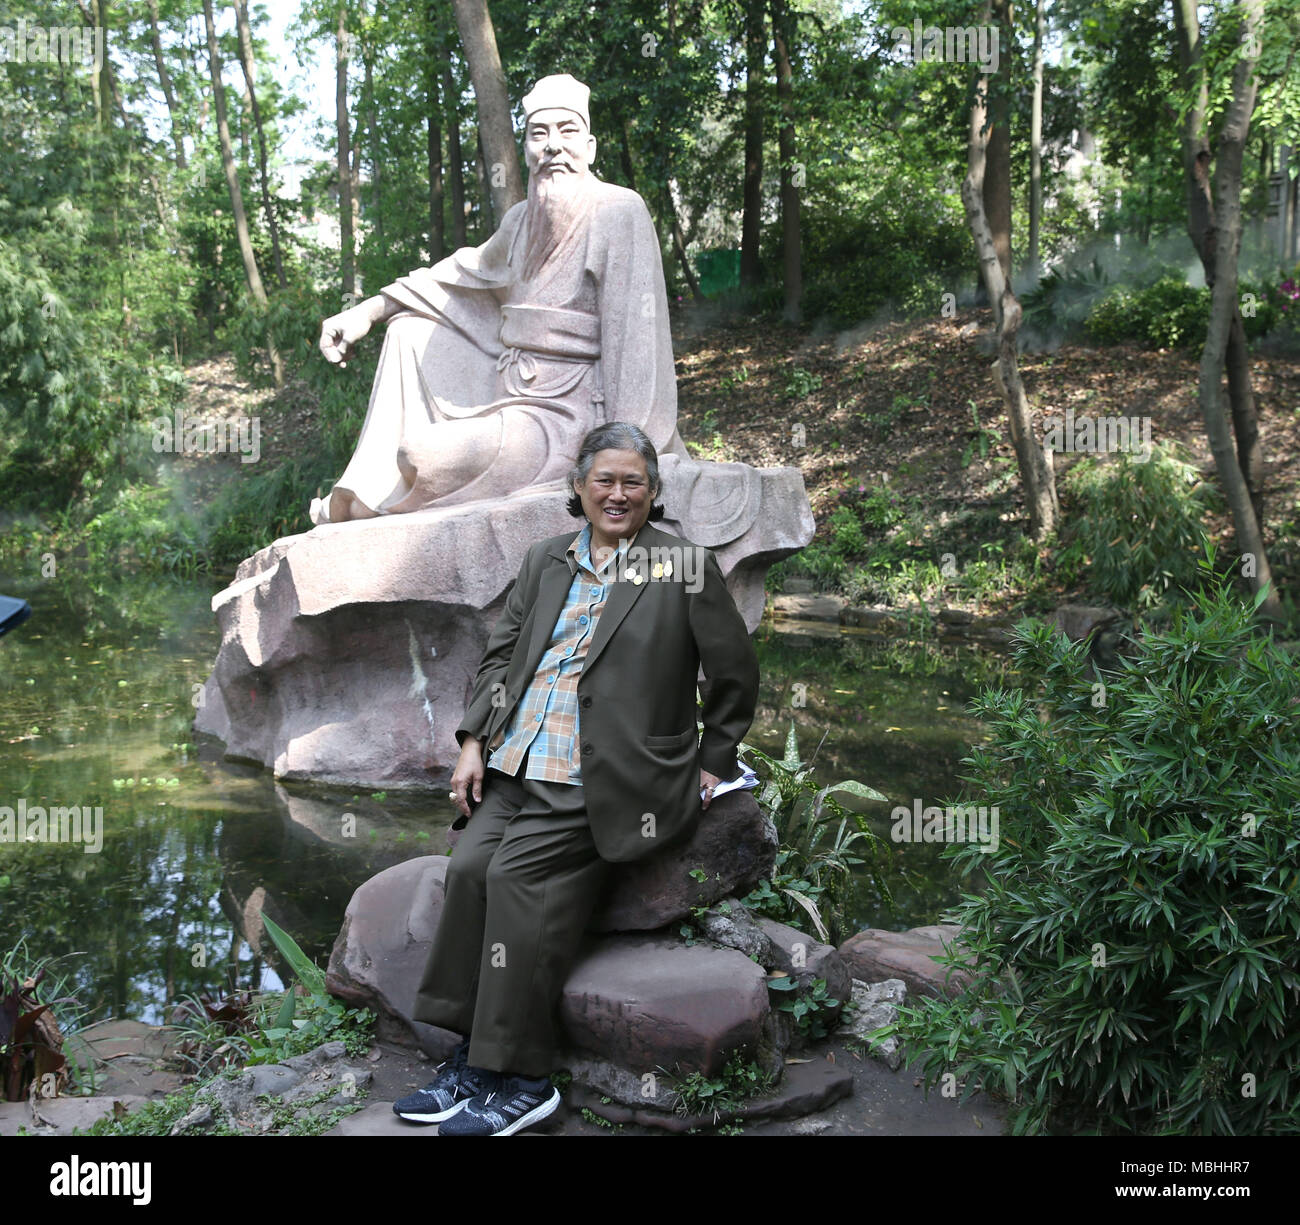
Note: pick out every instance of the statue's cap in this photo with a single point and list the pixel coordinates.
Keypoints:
(559, 91)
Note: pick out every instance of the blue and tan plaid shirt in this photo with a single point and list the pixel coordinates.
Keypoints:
(545, 723)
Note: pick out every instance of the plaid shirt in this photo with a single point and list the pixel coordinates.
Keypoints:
(545, 723)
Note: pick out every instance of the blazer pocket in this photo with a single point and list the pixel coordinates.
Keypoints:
(680, 741)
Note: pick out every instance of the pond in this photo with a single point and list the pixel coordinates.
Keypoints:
(98, 691)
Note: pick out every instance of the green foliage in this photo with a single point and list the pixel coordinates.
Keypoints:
(276, 1026)
(818, 839)
(1172, 315)
(801, 383)
(29, 1019)
(1133, 529)
(808, 1006)
(1058, 305)
(1135, 944)
(882, 245)
(701, 1095)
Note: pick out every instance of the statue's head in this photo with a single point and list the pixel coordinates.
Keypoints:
(557, 129)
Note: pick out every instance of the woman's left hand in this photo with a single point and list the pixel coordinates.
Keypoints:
(707, 783)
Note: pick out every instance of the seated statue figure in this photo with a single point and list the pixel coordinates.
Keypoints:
(499, 358)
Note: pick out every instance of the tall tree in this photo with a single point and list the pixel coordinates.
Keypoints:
(1225, 308)
(496, 131)
(1032, 458)
(455, 156)
(165, 83)
(245, 32)
(253, 276)
(1036, 145)
(791, 234)
(343, 139)
(997, 179)
(755, 73)
(1203, 228)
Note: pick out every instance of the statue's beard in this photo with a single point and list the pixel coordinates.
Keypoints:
(557, 203)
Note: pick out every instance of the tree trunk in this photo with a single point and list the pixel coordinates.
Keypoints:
(791, 236)
(455, 158)
(484, 188)
(1033, 459)
(496, 131)
(372, 138)
(165, 81)
(997, 180)
(254, 278)
(1036, 146)
(437, 226)
(250, 78)
(1202, 229)
(1225, 312)
(434, 54)
(347, 232)
(755, 45)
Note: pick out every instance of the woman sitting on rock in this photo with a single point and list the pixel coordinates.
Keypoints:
(579, 749)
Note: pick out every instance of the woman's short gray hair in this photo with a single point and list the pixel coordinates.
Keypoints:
(615, 436)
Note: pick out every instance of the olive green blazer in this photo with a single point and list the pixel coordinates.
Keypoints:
(640, 750)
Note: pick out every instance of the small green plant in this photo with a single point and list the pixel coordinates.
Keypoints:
(713, 1096)
(801, 383)
(729, 382)
(323, 1019)
(982, 439)
(1135, 528)
(817, 839)
(809, 1007)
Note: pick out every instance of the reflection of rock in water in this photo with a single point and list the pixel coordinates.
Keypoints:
(299, 857)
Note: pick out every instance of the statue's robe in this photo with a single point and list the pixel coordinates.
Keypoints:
(489, 379)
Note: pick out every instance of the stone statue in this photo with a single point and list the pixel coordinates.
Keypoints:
(348, 651)
(498, 359)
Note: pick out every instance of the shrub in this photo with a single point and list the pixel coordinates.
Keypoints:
(1134, 528)
(1172, 315)
(1137, 945)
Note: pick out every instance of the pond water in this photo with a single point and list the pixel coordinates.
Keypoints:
(98, 688)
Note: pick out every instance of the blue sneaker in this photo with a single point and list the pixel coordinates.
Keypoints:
(449, 1092)
(514, 1103)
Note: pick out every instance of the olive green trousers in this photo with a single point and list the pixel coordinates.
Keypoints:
(521, 885)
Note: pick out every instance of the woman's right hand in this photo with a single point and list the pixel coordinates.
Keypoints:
(468, 775)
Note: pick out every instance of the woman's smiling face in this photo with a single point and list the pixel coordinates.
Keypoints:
(616, 496)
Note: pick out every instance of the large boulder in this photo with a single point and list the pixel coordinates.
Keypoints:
(735, 838)
(735, 842)
(348, 652)
(873, 956)
(650, 1004)
(638, 1011)
(380, 953)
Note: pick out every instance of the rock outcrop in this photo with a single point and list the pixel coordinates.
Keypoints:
(348, 652)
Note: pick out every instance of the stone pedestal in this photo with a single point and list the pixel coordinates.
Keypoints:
(348, 652)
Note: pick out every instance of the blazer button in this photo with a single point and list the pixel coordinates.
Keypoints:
(586, 750)
(586, 701)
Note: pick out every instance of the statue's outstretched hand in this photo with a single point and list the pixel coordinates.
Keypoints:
(340, 332)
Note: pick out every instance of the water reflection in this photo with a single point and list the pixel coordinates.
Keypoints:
(99, 689)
